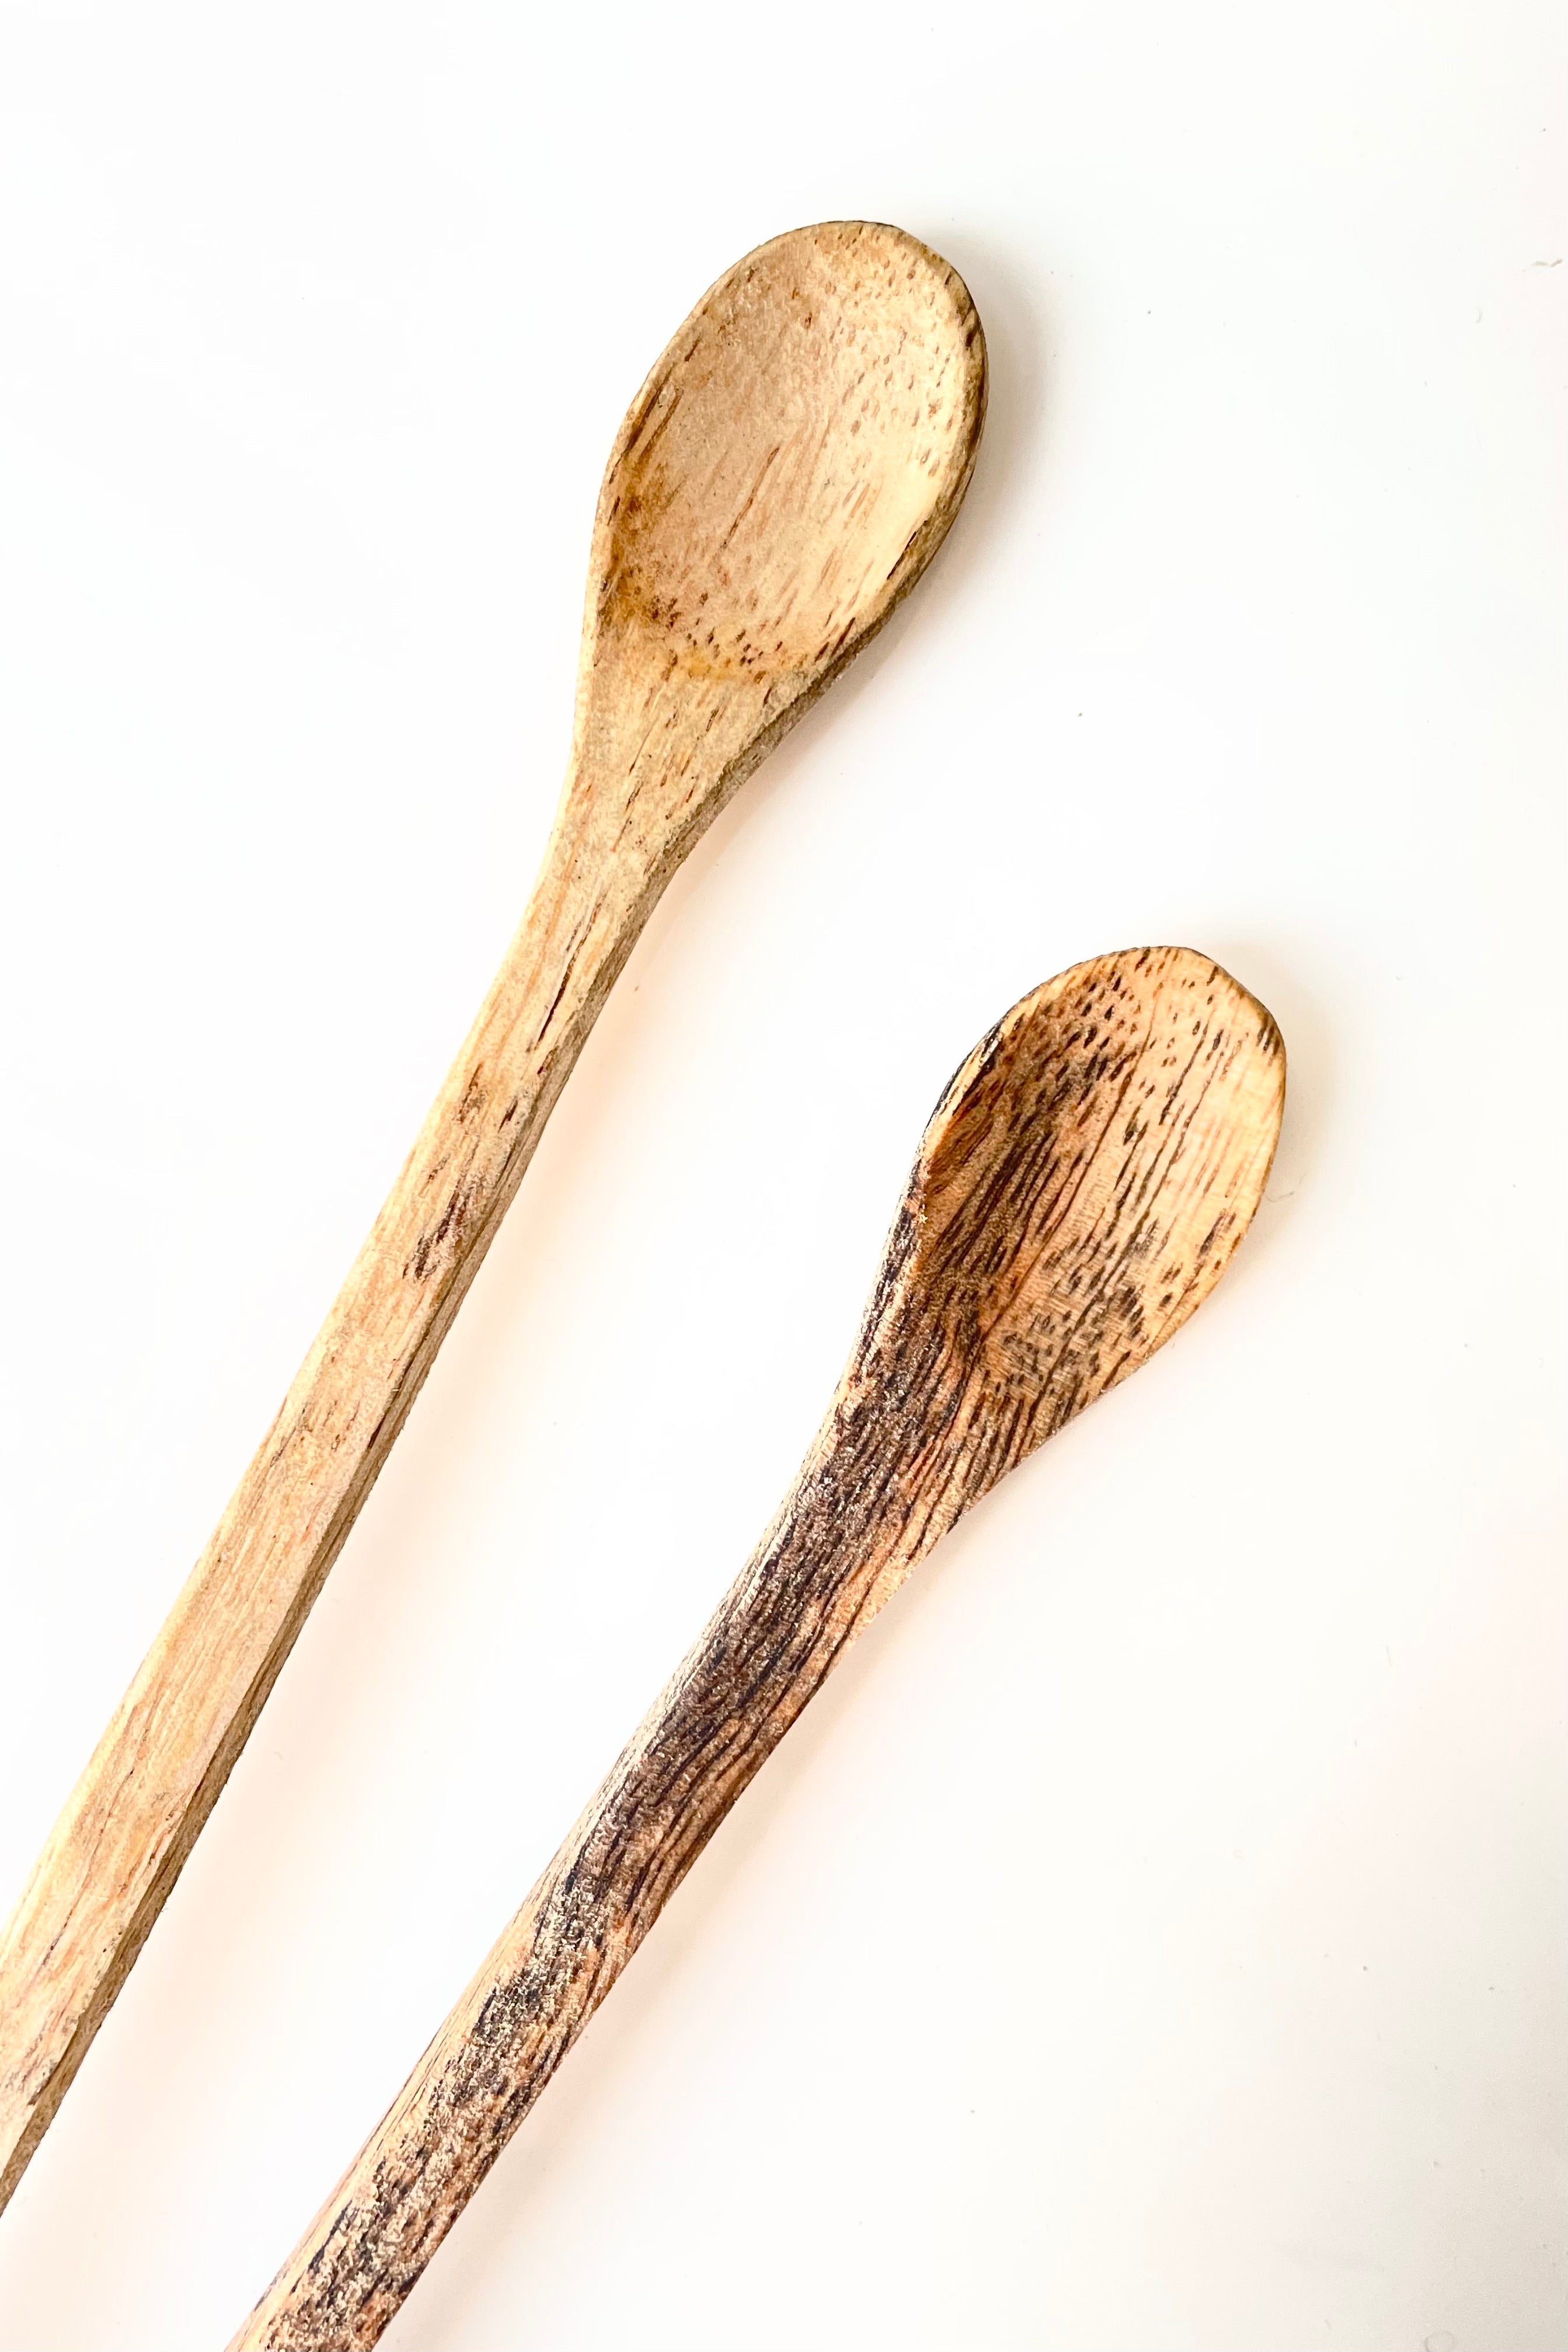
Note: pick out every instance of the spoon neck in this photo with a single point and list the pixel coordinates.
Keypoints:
(877, 1489)
(663, 736)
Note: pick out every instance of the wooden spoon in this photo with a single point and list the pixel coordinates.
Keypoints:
(783, 477)
(1078, 1194)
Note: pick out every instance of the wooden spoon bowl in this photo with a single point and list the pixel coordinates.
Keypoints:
(762, 538)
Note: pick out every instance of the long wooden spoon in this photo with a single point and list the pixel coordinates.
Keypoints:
(783, 477)
(1081, 1185)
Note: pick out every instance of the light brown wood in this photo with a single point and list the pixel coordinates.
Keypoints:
(788, 470)
(1077, 1194)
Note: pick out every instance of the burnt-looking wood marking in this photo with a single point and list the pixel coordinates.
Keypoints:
(1078, 1192)
(783, 477)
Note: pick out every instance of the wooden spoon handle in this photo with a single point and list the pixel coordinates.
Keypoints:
(138, 1808)
(834, 1555)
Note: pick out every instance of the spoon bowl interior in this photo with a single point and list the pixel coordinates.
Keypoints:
(795, 456)
(1081, 1189)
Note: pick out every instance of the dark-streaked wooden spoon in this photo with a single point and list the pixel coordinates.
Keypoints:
(1078, 1194)
(783, 477)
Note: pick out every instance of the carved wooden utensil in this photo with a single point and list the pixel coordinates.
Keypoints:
(783, 477)
(1078, 1192)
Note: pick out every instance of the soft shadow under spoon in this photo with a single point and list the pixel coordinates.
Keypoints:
(1078, 1192)
(786, 473)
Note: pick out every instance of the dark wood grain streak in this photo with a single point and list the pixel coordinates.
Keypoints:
(1078, 1192)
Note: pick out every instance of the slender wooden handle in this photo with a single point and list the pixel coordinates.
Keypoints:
(138, 1808)
(833, 1557)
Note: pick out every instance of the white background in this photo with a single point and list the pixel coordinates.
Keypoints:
(1155, 1937)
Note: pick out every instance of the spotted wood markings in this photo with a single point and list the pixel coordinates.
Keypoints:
(1079, 1190)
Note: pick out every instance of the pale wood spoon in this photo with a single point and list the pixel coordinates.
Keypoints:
(783, 477)
(1078, 1192)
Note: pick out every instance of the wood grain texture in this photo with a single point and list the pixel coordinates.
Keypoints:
(786, 473)
(1078, 1192)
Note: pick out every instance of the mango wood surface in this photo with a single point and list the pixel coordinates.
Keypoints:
(1078, 1192)
(786, 473)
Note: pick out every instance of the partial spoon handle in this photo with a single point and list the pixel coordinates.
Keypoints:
(834, 1555)
(138, 1808)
